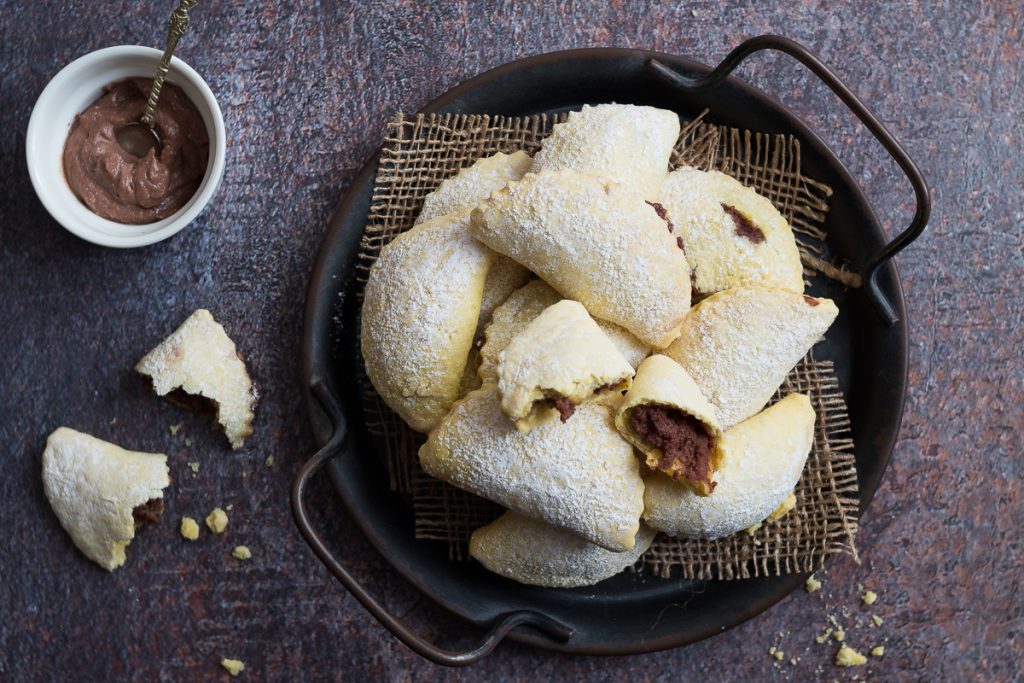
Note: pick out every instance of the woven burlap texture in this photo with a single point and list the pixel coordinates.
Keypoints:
(421, 151)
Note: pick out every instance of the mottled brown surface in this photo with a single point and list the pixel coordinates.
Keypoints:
(306, 94)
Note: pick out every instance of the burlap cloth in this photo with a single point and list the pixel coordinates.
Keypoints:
(421, 151)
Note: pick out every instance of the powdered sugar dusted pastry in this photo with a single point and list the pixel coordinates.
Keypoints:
(667, 418)
(101, 493)
(738, 345)
(733, 235)
(595, 241)
(525, 304)
(200, 359)
(558, 361)
(420, 310)
(472, 185)
(623, 142)
(533, 552)
(579, 476)
(763, 459)
(504, 277)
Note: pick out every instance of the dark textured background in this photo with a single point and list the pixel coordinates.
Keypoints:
(306, 89)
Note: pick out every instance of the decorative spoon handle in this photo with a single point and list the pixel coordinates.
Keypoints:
(176, 27)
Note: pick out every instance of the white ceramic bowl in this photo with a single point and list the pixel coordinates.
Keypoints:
(77, 86)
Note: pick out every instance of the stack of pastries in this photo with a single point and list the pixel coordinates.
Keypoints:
(591, 340)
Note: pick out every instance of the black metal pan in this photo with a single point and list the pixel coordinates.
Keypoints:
(623, 615)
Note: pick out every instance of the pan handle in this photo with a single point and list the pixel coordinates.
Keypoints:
(337, 445)
(892, 146)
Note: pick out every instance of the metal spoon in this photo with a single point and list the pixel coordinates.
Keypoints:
(138, 137)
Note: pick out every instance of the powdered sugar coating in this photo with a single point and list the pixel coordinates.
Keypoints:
(624, 142)
(581, 475)
(595, 241)
(504, 277)
(420, 311)
(532, 552)
(472, 185)
(738, 345)
(720, 257)
(762, 462)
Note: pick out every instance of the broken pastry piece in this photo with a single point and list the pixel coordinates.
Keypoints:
(525, 304)
(733, 235)
(739, 345)
(762, 459)
(595, 241)
(667, 418)
(471, 185)
(581, 475)
(533, 552)
(200, 360)
(627, 143)
(102, 493)
(558, 361)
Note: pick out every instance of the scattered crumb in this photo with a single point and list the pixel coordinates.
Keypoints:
(241, 552)
(194, 466)
(792, 662)
(269, 461)
(229, 507)
(217, 521)
(824, 636)
(753, 530)
(784, 507)
(839, 634)
(113, 420)
(189, 528)
(878, 651)
(233, 666)
(174, 429)
(812, 584)
(771, 650)
(693, 12)
(847, 656)
(876, 620)
(188, 442)
(779, 655)
(869, 597)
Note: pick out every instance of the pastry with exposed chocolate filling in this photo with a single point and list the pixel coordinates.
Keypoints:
(733, 235)
(762, 459)
(627, 143)
(580, 476)
(667, 418)
(738, 345)
(558, 361)
(102, 493)
(595, 241)
(535, 553)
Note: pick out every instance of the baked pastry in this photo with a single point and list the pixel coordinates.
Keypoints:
(624, 142)
(738, 345)
(102, 493)
(533, 552)
(667, 418)
(579, 476)
(420, 310)
(504, 277)
(733, 235)
(762, 462)
(558, 361)
(595, 241)
(200, 360)
(473, 184)
(525, 304)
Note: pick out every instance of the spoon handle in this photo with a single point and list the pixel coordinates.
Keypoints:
(176, 27)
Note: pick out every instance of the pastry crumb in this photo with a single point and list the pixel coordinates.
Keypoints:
(229, 507)
(269, 461)
(233, 666)
(217, 521)
(189, 528)
(839, 635)
(869, 597)
(174, 429)
(824, 636)
(241, 552)
(194, 466)
(188, 442)
(847, 656)
(877, 620)
(784, 507)
(812, 584)
(878, 651)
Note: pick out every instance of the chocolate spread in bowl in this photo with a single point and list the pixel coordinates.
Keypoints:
(120, 186)
(684, 442)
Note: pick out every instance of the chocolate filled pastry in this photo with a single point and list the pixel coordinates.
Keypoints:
(558, 361)
(420, 311)
(763, 458)
(667, 418)
(525, 304)
(533, 552)
(738, 345)
(624, 142)
(581, 475)
(101, 492)
(597, 242)
(733, 235)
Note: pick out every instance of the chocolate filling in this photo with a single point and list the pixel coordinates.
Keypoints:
(684, 442)
(744, 228)
(663, 215)
(563, 405)
(810, 300)
(148, 512)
